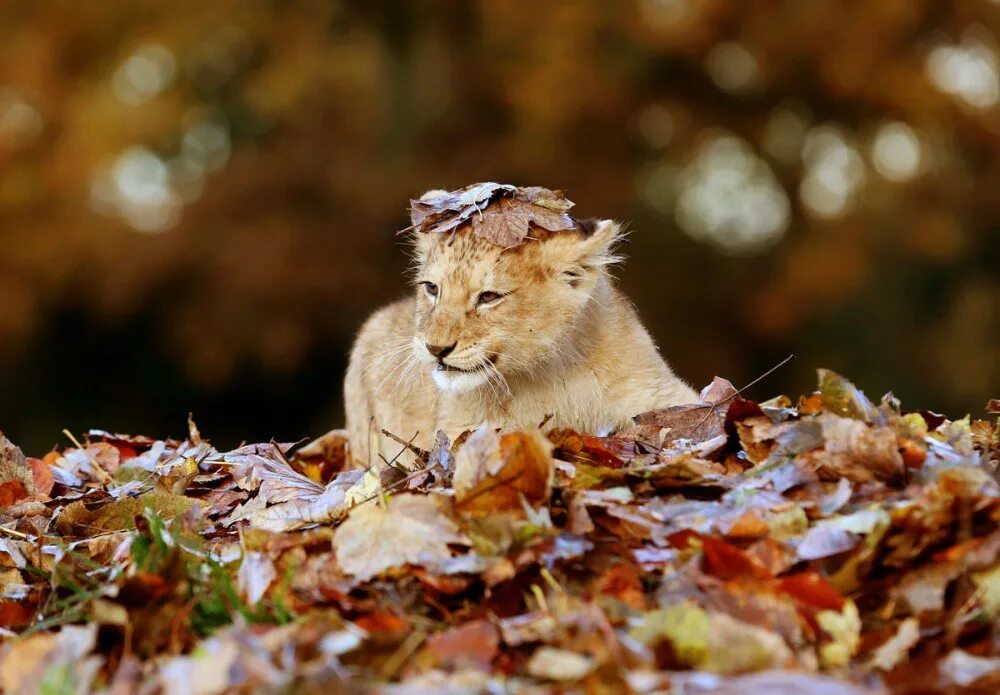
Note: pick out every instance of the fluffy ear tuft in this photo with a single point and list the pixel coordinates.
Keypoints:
(597, 248)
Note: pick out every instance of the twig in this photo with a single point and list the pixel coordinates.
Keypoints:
(392, 464)
(407, 444)
(405, 650)
(399, 482)
(292, 449)
(712, 406)
(16, 534)
(101, 473)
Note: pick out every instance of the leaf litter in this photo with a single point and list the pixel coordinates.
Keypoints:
(830, 544)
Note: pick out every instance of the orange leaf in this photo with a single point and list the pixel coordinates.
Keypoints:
(812, 589)
(473, 644)
(526, 470)
(42, 475)
(726, 561)
(13, 614)
(623, 583)
(747, 526)
(11, 492)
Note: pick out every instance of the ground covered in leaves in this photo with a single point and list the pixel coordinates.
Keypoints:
(827, 545)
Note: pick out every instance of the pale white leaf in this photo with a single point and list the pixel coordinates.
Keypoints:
(408, 529)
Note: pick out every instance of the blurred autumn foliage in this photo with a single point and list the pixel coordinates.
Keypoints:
(197, 200)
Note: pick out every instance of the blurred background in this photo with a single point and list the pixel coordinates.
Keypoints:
(198, 199)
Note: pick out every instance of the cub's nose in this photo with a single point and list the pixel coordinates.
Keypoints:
(440, 351)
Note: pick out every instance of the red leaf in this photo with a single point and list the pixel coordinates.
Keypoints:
(13, 614)
(11, 492)
(812, 589)
(726, 561)
(623, 583)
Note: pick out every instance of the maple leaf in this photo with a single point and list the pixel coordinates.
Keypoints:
(299, 501)
(408, 529)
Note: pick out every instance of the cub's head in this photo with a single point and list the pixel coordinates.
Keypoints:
(485, 313)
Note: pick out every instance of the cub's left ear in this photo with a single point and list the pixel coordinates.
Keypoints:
(596, 248)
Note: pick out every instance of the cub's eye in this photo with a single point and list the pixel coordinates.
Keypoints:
(488, 298)
(431, 289)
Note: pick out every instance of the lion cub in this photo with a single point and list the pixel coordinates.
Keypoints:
(507, 336)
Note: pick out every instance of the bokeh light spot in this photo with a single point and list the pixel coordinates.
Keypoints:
(20, 123)
(967, 70)
(729, 197)
(834, 172)
(733, 68)
(144, 74)
(896, 152)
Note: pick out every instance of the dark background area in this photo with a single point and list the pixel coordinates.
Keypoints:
(198, 200)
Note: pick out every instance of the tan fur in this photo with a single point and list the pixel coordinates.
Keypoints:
(561, 342)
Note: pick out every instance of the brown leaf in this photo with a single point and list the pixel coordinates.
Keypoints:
(855, 450)
(505, 224)
(746, 526)
(474, 644)
(14, 467)
(499, 213)
(622, 581)
(698, 422)
(493, 474)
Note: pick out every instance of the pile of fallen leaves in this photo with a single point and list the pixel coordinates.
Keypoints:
(829, 545)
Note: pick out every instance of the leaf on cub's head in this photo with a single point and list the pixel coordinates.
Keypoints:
(501, 214)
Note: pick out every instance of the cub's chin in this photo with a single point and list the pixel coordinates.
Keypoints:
(457, 381)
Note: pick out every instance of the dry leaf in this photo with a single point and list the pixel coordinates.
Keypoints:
(14, 467)
(698, 422)
(254, 577)
(330, 504)
(499, 213)
(494, 474)
(408, 529)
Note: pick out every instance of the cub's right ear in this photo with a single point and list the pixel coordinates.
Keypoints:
(597, 247)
